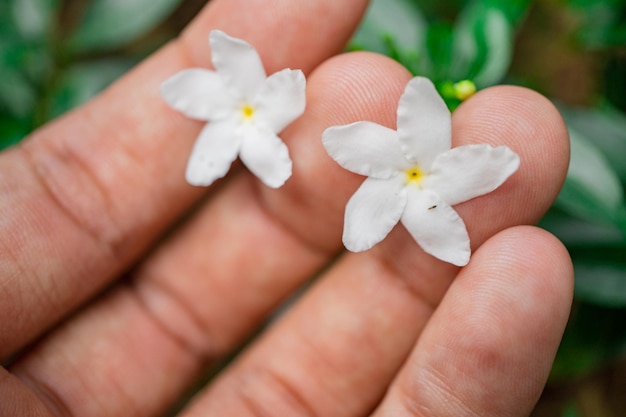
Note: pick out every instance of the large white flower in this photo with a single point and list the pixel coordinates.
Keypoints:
(414, 176)
(245, 110)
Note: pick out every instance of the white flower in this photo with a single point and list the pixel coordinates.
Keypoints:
(414, 177)
(245, 110)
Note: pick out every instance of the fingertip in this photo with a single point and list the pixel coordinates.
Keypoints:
(358, 86)
(549, 254)
(299, 34)
(490, 345)
(539, 263)
(528, 123)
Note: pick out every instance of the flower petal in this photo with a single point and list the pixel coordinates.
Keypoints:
(372, 212)
(465, 172)
(281, 99)
(214, 151)
(424, 122)
(237, 62)
(198, 93)
(436, 227)
(365, 148)
(266, 156)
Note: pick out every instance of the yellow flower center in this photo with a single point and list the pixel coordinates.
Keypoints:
(414, 175)
(247, 111)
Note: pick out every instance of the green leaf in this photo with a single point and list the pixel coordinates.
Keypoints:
(497, 35)
(514, 10)
(440, 10)
(17, 95)
(112, 23)
(576, 232)
(592, 189)
(12, 130)
(399, 20)
(34, 18)
(594, 336)
(83, 81)
(571, 410)
(597, 251)
(8, 28)
(439, 51)
(394, 28)
(483, 45)
(599, 282)
(599, 21)
(32, 60)
(600, 271)
(606, 128)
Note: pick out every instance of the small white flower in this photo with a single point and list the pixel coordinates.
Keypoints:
(245, 110)
(414, 177)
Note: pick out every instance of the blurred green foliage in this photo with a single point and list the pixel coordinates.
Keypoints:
(57, 54)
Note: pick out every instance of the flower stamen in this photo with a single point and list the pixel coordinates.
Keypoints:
(414, 175)
(247, 111)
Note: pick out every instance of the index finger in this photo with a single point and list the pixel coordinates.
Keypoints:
(85, 195)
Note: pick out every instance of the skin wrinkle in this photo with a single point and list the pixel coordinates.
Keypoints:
(47, 395)
(203, 354)
(436, 384)
(42, 156)
(324, 361)
(287, 392)
(131, 407)
(487, 359)
(46, 178)
(18, 393)
(16, 298)
(109, 245)
(315, 355)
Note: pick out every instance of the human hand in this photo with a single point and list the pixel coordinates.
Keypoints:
(129, 295)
